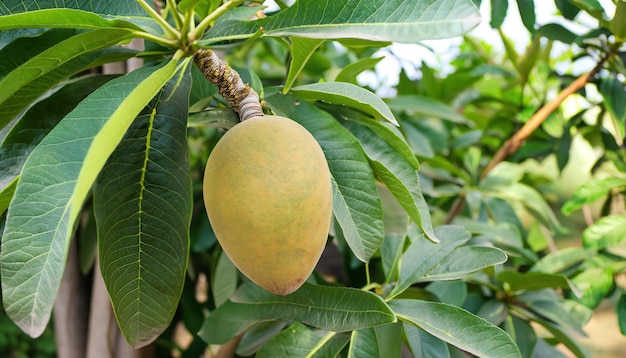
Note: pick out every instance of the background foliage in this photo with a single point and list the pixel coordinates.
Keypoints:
(451, 196)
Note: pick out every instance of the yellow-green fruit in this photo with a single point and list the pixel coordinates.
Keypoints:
(267, 193)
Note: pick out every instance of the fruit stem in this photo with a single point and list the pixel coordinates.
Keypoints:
(241, 98)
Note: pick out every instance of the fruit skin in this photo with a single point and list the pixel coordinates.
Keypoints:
(267, 192)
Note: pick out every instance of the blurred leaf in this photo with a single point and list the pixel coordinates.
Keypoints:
(527, 12)
(256, 336)
(464, 260)
(392, 20)
(224, 281)
(498, 12)
(41, 218)
(502, 212)
(606, 232)
(621, 313)
(528, 60)
(142, 205)
(301, 51)
(590, 192)
(534, 201)
(329, 308)
(562, 259)
(494, 312)
(593, 7)
(618, 23)
(595, 284)
(613, 91)
(356, 204)
(346, 94)
(419, 142)
(426, 106)
(567, 8)
(500, 233)
(350, 72)
(298, 340)
(422, 344)
(558, 332)
(422, 255)
(456, 326)
(450, 292)
(557, 32)
(390, 252)
(379, 341)
(549, 304)
(518, 281)
(523, 334)
(398, 175)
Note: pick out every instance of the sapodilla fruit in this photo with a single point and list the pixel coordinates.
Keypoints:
(267, 192)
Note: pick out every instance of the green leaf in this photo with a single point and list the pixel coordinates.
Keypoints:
(557, 32)
(593, 7)
(562, 259)
(618, 25)
(558, 332)
(415, 104)
(350, 72)
(346, 94)
(527, 12)
(621, 313)
(377, 20)
(301, 51)
(256, 336)
(450, 292)
(458, 327)
(519, 281)
(40, 73)
(533, 201)
(549, 304)
(463, 261)
(54, 183)
(130, 8)
(493, 311)
(142, 205)
(422, 344)
(6, 195)
(62, 18)
(329, 308)
(224, 281)
(498, 12)
(613, 91)
(398, 175)
(423, 255)
(606, 232)
(35, 124)
(595, 283)
(591, 191)
(522, 333)
(298, 340)
(379, 341)
(356, 203)
(567, 8)
(390, 253)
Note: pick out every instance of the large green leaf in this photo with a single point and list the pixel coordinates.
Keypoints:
(463, 261)
(17, 14)
(399, 176)
(41, 72)
(142, 204)
(562, 259)
(328, 308)
(346, 94)
(298, 340)
(549, 304)
(423, 255)
(520, 281)
(356, 203)
(377, 20)
(54, 183)
(458, 327)
(423, 344)
(590, 192)
(35, 124)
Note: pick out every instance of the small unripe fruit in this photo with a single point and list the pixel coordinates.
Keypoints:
(267, 192)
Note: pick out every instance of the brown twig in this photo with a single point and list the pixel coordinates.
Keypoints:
(513, 144)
